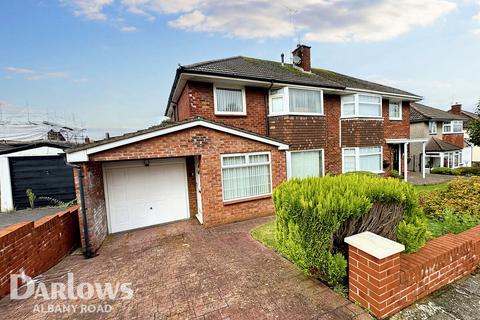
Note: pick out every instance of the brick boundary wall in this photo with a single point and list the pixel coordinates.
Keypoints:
(387, 285)
(33, 247)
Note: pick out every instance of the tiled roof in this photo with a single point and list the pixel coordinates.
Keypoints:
(250, 68)
(420, 113)
(161, 126)
(438, 145)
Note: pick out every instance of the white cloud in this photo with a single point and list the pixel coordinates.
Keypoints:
(19, 70)
(90, 9)
(48, 75)
(315, 20)
(128, 29)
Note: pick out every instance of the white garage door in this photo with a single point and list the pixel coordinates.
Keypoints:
(139, 196)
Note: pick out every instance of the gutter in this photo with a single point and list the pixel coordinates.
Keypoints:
(88, 253)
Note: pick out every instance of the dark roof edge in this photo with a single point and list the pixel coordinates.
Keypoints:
(33, 145)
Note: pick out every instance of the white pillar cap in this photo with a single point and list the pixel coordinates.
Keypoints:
(374, 245)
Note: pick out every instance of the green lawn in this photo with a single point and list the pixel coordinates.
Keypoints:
(434, 187)
(266, 234)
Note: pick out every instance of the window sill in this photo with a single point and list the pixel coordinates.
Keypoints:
(395, 119)
(452, 132)
(297, 114)
(362, 118)
(235, 201)
(227, 114)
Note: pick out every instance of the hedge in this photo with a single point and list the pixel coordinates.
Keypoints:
(441, 170)
(311, 211)
(462, 171)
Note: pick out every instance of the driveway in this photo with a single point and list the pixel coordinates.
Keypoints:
(184, 271)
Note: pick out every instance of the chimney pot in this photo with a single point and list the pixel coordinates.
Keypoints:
(456, 108)
(107, 135)
(283, 58)
(303, 53)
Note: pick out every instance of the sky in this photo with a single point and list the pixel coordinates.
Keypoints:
(110, 64)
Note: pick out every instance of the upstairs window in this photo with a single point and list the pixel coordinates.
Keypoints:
(362, 105)
(296, 101)
(229, 101)
(453, 127)
(395, 110)
(432, 127)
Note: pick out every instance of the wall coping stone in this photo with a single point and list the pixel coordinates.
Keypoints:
(375, 245)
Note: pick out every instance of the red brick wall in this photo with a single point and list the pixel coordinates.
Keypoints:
(300, 132)
(197, 101)
(362, 133)
(454, 138)
(396, 129)
(185, 144)
(333, 150)
(34, 247)
(385, 286)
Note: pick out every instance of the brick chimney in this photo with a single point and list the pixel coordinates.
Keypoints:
(302, 52)
(456, 108)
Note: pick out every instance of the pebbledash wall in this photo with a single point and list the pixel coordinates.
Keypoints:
(34, 247)
(386, 284)
(209, 145)
(328, 132)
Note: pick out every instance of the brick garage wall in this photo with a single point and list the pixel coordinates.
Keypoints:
(210, 145)
(94, 203)
(36, 246)
(197, 101)
(385, 286)
(456, 139)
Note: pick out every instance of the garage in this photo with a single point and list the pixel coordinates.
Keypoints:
(145, 193)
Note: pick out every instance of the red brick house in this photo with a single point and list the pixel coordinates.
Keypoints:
(240, 126)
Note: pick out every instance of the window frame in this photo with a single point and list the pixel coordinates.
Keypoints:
(356, 102)
(400, 106)
(247, 164)
(451, 125)
(289, 160)
(229, 113)
(286, 102)
(357, 159)
(434, 123)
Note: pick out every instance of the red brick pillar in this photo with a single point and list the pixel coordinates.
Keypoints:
(374, 272)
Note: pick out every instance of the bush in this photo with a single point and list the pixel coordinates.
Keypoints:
(467, 171)
(462, 197)
(446, 171)
(452, 223)
(310, 212)
(395, 174)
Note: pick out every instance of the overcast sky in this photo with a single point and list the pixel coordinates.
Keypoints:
(112, 62)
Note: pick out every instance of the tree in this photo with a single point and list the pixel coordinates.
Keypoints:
(474, 128)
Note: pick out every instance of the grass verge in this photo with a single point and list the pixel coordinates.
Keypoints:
(265, 233)
(433, 187)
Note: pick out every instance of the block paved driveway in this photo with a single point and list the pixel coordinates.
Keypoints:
(184, 271)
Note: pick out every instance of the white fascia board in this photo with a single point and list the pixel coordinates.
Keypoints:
(394, 141)
(82, 156)
(386, 94)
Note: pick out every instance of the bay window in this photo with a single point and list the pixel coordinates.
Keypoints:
(453, 127)
(308, 163)
(362, 105)
(395, 110)
(363, 159)
(246, 175)
(296, 101)
(229, 101)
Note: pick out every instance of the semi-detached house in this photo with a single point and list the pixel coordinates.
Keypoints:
(240, 127)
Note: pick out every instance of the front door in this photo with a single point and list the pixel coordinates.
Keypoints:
(199, 189)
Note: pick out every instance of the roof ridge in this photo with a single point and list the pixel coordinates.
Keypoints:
(207, 62)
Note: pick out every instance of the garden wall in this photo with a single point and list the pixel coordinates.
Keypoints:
(33, 247)
(385, 281)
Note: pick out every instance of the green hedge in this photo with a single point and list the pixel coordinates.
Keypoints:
(446, 171)
(462, 171)
(310, 211)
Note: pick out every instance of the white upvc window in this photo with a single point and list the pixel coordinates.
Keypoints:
(362, 105)
(453, 127)
(296, 101)
(395, 110)
(246, 175)
(305, 163)
(432, 127)
(363, 159)
(229, 100)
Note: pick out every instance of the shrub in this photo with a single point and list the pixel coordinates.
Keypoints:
(467, 171)
(31, 198)
(395, 174)
(462, 197)
(452, 223)
(310, 212)
(446, 171)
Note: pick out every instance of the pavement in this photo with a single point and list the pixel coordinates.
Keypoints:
(457, 301)
(9, 218)
(186, 271)
(416, 178)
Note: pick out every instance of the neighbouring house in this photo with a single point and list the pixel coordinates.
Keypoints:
(240, 126)
(39, 166)
(445, 134)
(472, 150)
